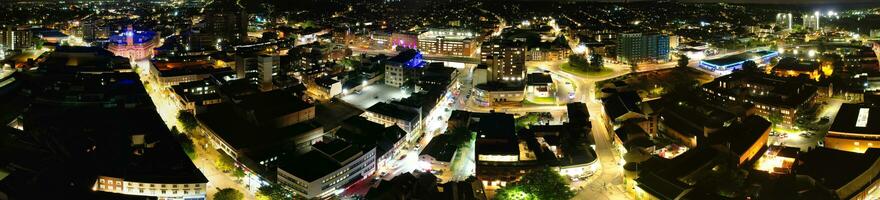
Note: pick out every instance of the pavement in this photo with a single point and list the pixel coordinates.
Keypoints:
(168, 109)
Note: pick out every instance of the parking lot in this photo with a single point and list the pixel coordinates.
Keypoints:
(374, 94)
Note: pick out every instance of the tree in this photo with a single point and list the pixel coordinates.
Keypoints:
(225, 162)
(38, 43)
(775, 118)
(683, 61)
(274, 192)
(596, 62)
(228, 194)
(578, 62)
(544, 184)
(187, 145)
(238, 173)
(461, 136)
(188, 120)
(750, 66)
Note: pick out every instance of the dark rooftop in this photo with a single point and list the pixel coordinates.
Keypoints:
(857, 119)
(835, 168)
(325, 157)
(395, 111)
(440, 148)
(619, 104)
(220, 118)
(538, 79)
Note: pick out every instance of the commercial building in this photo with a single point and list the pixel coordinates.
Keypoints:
(856, 128)
(387, 140)
(16, 39)
(134, 45)
(642, 47)
(438, 154)
(505, 60)
(260, 128)
(225, 23)
(327, 169)
(495, 93)
(197, 94)
(784, 21)
(792, 67)
(772, 96)
(261, 69)
(405, 40)
(171, 73)
(403, 68)
(539, 84)
(388, 114)
(811, 22)
(503, 155)
(732, 62)
(847, 174)
(454, 42)
(419, 185)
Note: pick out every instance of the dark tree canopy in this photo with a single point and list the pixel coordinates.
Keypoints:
(544, 184)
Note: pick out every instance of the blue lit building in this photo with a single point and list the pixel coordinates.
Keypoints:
(403, 67)
(135, 45)
(735, 61)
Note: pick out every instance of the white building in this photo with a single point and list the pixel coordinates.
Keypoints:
(326, 170)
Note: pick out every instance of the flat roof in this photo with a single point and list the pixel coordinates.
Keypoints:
(395, 111)
(225, 122)
(440, 148)
(857, 119)
(835, 168)
(739, 58)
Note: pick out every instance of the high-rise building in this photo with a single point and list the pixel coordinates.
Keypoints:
(227, 21)
(783, 21)
(258, 69)
(811, 22)
(16, 39)
(505, 60)
(642, 47)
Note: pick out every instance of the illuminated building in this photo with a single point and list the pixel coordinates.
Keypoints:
(732, 62)
(783, 20)
(405, 40)
(811, 22)
(135, 45)
(438, 155)
(175, 72)
(454, 42)
(391, 114)
(503, 155)
(327, 169)
(404, 67)
(505, 60)
(16, 39)
(847, 174)
(792, 67)
(642, 47)
(770, 95)
(226, 21)
(856, 128)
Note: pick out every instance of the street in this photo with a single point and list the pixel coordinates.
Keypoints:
(168, 109)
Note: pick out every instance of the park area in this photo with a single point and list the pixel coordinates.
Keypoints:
(603, 71)
(654, 84)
